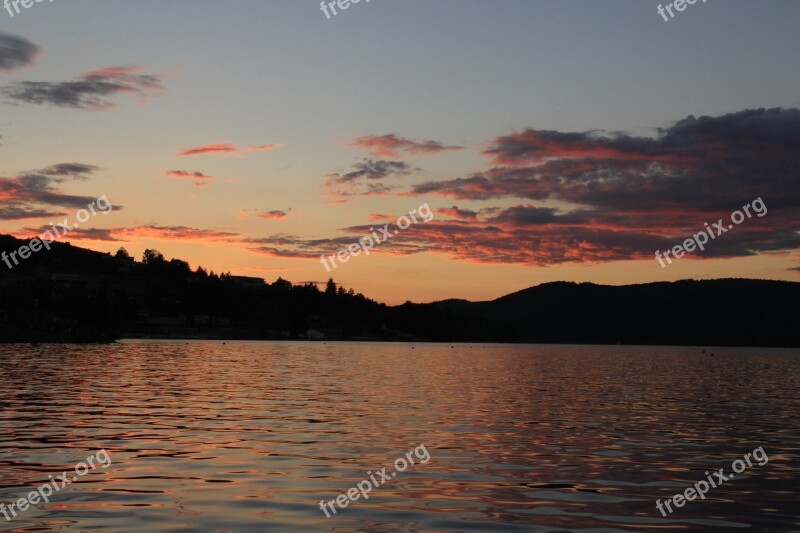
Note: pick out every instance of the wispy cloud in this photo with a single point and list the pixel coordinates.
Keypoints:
(275, 214)
(375, 170)
(17, 212)
(200, 179)
(390, 145)
(92, 91)
(227, 149)
(181, 174)
(457, 213)
(150, 232)
(366, 178)
(34, 193)
(75, 234)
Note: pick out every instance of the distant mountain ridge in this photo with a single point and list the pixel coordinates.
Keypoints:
(721, 312)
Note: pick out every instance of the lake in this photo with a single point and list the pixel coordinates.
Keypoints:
(250, 436)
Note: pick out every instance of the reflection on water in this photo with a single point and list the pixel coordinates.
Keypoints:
(239, 436)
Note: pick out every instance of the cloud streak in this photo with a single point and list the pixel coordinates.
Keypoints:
(530, 236)
(226, 149)
(275, 214)
(391, 145)
(92, 91)
(200, 179)
(366, 178)
(34, 194)
(150, 232)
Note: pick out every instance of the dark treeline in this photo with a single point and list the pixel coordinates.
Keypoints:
(70, 294)
(74, 294)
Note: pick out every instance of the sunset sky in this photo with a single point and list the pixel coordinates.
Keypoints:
(553, 140)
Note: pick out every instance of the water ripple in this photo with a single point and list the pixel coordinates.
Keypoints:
(250, 436)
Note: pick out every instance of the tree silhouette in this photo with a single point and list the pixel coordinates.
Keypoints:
(122, 253)
(152, 257)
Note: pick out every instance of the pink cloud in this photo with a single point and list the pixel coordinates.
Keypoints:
(391, 145)
(183, 174)
(227, 149)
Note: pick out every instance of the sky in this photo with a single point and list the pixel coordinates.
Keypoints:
(548, 139)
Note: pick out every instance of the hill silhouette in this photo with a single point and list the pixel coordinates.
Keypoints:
(721, 312)
(70, 294)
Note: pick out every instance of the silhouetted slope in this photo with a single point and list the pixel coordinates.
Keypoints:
(724, 312)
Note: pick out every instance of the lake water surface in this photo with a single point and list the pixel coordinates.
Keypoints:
(250, 436)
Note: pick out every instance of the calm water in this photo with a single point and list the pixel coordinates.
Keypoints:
(206, 436)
